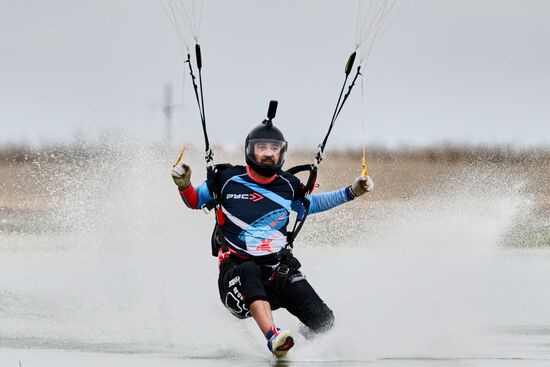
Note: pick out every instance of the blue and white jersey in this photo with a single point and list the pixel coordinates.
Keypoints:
(256, 213)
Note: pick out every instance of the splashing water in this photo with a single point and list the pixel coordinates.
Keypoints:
(124, 267)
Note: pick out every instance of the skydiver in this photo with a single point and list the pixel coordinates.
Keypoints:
(257, 271)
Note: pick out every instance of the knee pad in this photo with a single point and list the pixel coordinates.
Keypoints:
(233, 299)
(236, 306)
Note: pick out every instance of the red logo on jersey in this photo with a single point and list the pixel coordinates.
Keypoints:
(255, 197)
(274, 223)
(265, 245)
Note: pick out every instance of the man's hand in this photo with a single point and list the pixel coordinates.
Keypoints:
(361, 185)
(181, 174)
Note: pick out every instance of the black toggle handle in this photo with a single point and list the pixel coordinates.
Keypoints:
(350, 62)
(198, 55)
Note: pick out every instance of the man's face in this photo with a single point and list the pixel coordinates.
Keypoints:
(267, 153)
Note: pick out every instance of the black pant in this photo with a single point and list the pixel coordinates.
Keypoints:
(241, 283)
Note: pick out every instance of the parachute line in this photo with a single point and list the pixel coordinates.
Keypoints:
(372, 22)
(186, 18)
(374, 17)
(363, 121)
(169, 10)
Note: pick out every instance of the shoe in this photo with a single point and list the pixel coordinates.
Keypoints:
(279, 342)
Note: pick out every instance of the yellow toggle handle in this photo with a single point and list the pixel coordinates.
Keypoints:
(180, 156)
(364, 169)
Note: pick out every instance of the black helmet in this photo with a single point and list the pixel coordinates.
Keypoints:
(265, 136)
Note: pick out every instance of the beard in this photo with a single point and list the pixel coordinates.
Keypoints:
(268, 160)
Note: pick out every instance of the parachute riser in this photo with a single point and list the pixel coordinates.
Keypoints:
(320, 155)
(208, 153)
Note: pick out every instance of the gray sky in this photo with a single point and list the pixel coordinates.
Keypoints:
(474, 71)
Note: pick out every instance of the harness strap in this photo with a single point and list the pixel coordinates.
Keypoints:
(308, 188)
(217, 240)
